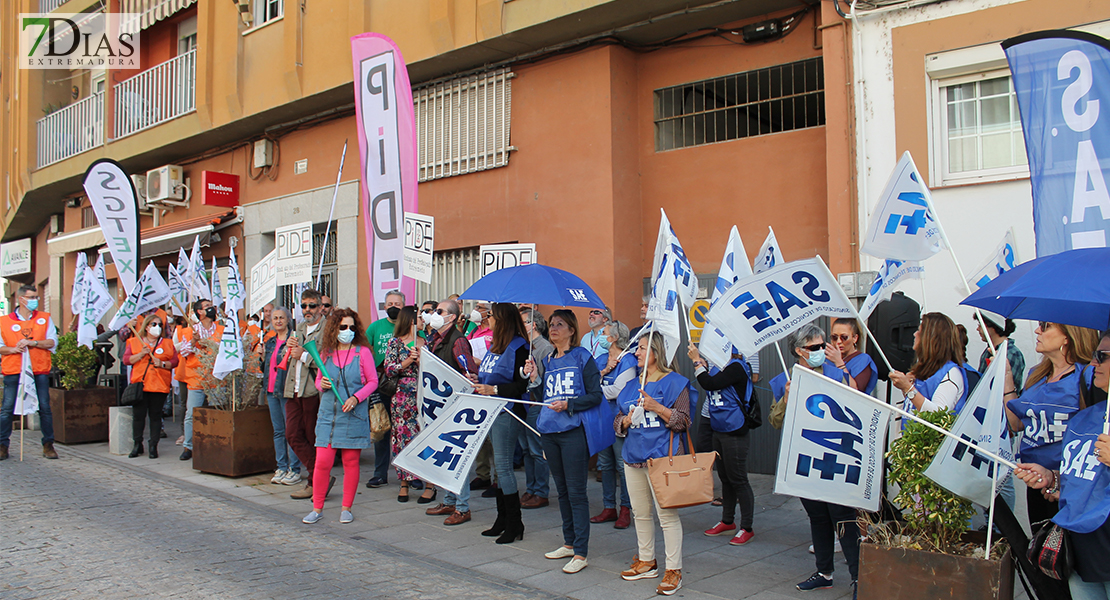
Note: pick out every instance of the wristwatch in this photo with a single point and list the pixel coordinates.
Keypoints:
(910, 395)
(495, 390)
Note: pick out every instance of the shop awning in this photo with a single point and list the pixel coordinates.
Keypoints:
(150, 11)
(83, 239)
(169, 238)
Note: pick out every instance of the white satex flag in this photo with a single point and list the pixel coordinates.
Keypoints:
(235, 292)
(769, 255)
(766, 307)
(150, 291)
(904, 224)
(99, 271)
(892, 272)
(961, 469)
(217, 293)
(714, 346)
(26, 395)
(178, 291)
(96, 301)
(76, 296)
(443, 452)
(230, 357)
(440, 386)
(196, 279)
(832, 443)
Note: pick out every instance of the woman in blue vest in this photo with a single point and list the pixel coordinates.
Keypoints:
(1049, 399)
(502, 374)
(665, 399)
(571, 385)
(844, 354)
(937, 379)
(1081, 485)
(620, 368)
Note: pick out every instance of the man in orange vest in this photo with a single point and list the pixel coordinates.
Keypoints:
(195, 372)
(27, 330)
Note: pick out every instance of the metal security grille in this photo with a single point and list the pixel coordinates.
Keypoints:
(288, 297)
(462, 125)
(771, 100)
(452, 272)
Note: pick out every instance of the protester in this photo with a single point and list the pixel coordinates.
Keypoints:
(27, 329)
(288, 465)
(402, 362)
(481, 317)
(343, 420)
(481, 338)
(844, 353)
(665, 400)
(643, 318)
(302, 397)
(937, 379)
(1081, 485)
(1050, 399)
(196, 373)
(426, 309)
(826, 521)
(465, 326)
(450, 345)
(973, 375)
(620, 368)
(595, 340)
(379, 333)
(501, 374)
(536, 471)
(181, 333)
(729, 393)
(1013, 354)
(325, 307)
(152, 359)
(572, 384)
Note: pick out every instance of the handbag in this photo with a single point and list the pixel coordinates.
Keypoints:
(133, 393)
(379, 421)
(1050, 551)
(684, 480)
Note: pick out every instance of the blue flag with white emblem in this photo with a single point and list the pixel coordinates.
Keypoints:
(904, 224)
(1061, 79)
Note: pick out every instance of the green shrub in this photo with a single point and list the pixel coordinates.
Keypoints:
(75, 362)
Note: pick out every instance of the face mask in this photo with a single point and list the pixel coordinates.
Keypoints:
(346, 336)
(253, 322)
(210, 312)
(434, 320)
(154, 330)
(604, 342)
(475, 316)
(392, 312)
(816, 358)
(33, 304)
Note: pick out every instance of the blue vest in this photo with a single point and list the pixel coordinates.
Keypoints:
(929, 386)
(500, 369)
(1044, 409)
(858, 364)
(563, 380)
(628, 361)
(333, 426)
(725, 412)
(778, 382)
(650, 441)
(1084, 481)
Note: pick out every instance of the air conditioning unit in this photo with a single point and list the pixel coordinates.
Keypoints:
(140, 189)
(165, 183)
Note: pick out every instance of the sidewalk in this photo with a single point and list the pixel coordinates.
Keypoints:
(767, 568)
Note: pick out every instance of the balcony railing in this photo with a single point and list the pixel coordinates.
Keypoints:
(157, 95)
(72, 130)
(46, 6)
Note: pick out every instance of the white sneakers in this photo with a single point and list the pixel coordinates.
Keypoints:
(291, 478)
(575, 565)
(278, 476)
(560, 552)
(836, 547)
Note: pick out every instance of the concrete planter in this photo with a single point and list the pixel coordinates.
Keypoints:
(81, 416)
(233, 443)
(903, 574)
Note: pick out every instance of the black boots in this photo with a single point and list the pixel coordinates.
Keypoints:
(499, 524)
(153, 450)
(136, 451)
(514, 525)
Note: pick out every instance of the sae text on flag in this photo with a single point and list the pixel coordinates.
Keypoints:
(667, 247)
(671, 282)
(150, 291)
(443, 452)
(1062, 83)
(832, 443)
(26, 395)
(440, 386)
(1003, 259)
(96, 301)
(767, 306)
(230, 357)
(714, 346)
(961, 469)
(904, 224)
(769, 255)
(890, 274)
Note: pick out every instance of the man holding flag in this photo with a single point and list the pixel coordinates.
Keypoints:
(27, 335)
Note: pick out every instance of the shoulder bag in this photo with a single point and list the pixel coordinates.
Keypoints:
(684, 480)
(133, 393)
(1050, 550)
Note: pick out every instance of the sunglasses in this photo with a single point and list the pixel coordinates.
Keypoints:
(840, 337)
(1044, 325)
(308, 306)
(326, 305)
(345, 327)
(595, 312)
(1100, 356)
(814, 347)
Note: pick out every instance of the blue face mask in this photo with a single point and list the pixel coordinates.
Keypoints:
(33, 304)
(346, 336)
(816, 358)
(604, 342)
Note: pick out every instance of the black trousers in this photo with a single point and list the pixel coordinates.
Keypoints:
(826, 521)
(150, 407)
(732, 466)
(1039, 508)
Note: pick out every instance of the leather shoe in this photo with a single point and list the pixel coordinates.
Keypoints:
(525, 497)
(440, 509)
(457, 518)
(480, 484)
(137, 450)
(48, 450)
(535, 502)
(428, 499)
(186, 455)
(303, 494)
(376, 482)
(3, 453)
(609, 514)
(624, 519)
(153, 451)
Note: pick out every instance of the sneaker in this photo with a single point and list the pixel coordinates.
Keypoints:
(376, 482)
(278, 476)
(817, 581)
(836, 547)
(346, 517)
(560, 552)
(742, 538)
(312, 517)
(291, 478)
(721, 528)
(640, 570)
(672, 581)
(575, 565)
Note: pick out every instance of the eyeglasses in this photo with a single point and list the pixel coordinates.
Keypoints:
(1044, 325)
(308, 306)
(1100, 356)
(814, 347)
(345, 327)
(326, 305)
(837, 337)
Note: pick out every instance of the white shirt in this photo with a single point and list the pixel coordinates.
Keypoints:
(51, 331)
(308, 330)
(949, 390)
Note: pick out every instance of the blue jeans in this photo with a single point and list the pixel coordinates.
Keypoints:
(382, 448)
(7, 411)
(610, 463)
(503, 435)
(569, 459)
(536, 471)
(286, 459)
(194, 399)
(460, 501)
(1082, 590)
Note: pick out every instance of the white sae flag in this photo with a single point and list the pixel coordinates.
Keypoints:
(667, 245)
(714, 346)
(235, 290)
(904, 224)
(96, 301)
(150, 291)
(440, 386)
(892, 272)
(769, 255)
(76, 295)
(443, 452)
(1001, 260)
(832, 443)
(230, 357)
(26, 395)
(665, 305)
(217, 294)
(766, 307)
(961, 469)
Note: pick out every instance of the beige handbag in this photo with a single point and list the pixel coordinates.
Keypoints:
(379, 422)
(684, 480)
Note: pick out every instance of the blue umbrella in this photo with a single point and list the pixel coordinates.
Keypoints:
(534, 284)
(1071, 287)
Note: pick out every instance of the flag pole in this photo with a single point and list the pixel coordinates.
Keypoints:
(22, 428)
(782, 359)
(327, 232)
(513, 415)
(855, 313)
(959, 271)
(990, 514)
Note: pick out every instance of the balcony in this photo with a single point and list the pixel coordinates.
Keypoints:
(72, 130)
(157, 95)
(46, 6)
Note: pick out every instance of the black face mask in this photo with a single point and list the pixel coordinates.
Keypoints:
(392, 312)
(210, 312)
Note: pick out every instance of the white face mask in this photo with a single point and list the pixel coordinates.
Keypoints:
(475, 316)
(435, 320)
(154, 330)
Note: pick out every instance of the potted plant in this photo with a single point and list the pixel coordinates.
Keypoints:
(80, 408)
(932, 554)
(233, 435)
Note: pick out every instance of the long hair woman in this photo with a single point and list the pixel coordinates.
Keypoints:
(152, 359)
(402, 360)
(844, 354)
(937, 379)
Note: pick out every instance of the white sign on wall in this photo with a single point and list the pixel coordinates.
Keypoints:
(263, 283)
(294, 253)
(15, 257)
(502, 256)
(419, 242)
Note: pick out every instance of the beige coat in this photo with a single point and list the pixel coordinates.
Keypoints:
(305, 387)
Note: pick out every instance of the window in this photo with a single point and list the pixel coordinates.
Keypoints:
(289, 296)
(98, 82)
(452, 272)
(186, 35)
(772, 100)
(267, 10)
(462, 125)
(88, 217)
(979, 133)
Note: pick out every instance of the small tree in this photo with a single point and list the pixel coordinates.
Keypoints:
(75, 362)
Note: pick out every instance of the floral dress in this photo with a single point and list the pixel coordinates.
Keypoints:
(404, 412)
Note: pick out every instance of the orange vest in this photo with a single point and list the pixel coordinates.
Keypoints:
(14, 330)
(192, 376)
(181, 334)
(156, 380)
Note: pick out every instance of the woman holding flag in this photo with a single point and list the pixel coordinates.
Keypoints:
(402, 360)
(937, 380)
(152, 359)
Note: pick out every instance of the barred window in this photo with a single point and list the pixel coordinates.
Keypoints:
(452, 272)
(462, 125)
(88, 217)
(772, 100)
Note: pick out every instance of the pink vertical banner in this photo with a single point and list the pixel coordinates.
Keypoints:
(387, 156)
